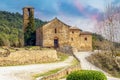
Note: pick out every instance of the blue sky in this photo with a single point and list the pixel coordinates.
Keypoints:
(80, 13)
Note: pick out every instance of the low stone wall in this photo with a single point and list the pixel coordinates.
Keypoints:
(38, 56)
(61, 73)
(66, 49)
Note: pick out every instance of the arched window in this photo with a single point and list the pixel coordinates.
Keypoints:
(73, 32)
(55, 30)
(85, 38)
(28, 11)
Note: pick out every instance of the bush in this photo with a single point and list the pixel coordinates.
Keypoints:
(86, 75)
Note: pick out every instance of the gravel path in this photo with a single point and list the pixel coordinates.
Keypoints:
(26, 72)
(88, 66)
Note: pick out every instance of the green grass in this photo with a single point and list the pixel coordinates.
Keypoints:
(75, 62)
(62, 56)
(47, 73)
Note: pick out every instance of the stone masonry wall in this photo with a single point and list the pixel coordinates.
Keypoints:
(66, 49)
(61, 73)
(26, 16)
(61, 33)
(85, 44)
(74, 38)
(65, 35)
(38, 55)
(39, 37)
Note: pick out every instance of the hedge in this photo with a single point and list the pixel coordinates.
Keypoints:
(86, 75)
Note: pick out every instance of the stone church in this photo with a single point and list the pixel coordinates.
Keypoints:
(57, 34)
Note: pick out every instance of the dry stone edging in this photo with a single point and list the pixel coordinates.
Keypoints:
(67, 50)
(60, 73)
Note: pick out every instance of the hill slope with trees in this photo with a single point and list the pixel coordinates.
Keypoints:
(11, 28)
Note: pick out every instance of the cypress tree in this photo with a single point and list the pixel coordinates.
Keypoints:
(29, 34)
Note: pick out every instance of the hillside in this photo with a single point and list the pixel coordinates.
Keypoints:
(99, 42)
(11, 28)
(106, 62)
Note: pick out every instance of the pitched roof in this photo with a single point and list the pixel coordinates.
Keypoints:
(85, 33)
(55, 19)
(75, 28)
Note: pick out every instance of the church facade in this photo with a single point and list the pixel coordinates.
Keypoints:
(57, 34)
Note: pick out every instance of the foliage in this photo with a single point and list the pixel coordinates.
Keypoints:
(86, 75)
(29, 35)
(48, 73)
(96, 40)
(106, 62)
(11, 33)
(4, 39)
(109, 27)
(75, 62)
(62, 56)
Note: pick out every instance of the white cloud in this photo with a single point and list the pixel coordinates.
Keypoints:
(84, 24)
(99, 4)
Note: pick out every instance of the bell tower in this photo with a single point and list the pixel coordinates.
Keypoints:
(27, 11)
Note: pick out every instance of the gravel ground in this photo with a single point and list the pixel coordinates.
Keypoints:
(26, 72)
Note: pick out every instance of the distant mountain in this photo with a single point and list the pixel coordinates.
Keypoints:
(11, 28)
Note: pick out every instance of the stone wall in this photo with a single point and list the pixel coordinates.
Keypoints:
(85, 45)
(35, 55)
(66, 49)
(74, 38)
(61, 73)
(55, 30)
(26, 12)
(39, 37)
(64, 34)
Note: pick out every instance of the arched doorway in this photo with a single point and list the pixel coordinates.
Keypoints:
(56, 43)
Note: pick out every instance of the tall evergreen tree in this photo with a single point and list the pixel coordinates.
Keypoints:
(29, 35)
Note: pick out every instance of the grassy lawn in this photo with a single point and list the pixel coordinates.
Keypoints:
(47, 73)
(75, 62)
(62, 56)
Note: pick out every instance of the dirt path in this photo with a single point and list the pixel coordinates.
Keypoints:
(88, 66)
(26, 72)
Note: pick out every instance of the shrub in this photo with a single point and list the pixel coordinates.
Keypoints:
(86, 75)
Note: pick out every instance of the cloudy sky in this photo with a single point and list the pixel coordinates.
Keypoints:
(80, 13)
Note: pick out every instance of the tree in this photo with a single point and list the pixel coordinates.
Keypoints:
(29, 35)
(110, 27)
